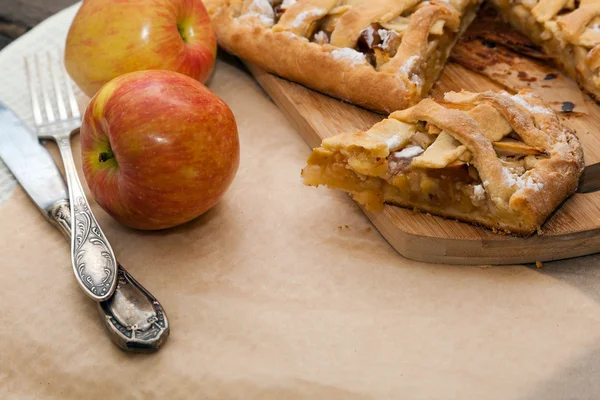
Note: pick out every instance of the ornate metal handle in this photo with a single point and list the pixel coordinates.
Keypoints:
(92, 257)
(59, 215)
(133, 317)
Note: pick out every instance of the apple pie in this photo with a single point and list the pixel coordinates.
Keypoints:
(567, 30)
(492, 159)
(380, 54)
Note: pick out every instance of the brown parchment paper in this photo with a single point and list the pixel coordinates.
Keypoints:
(287, 292)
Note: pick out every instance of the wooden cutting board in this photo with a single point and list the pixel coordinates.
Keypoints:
(573, 230)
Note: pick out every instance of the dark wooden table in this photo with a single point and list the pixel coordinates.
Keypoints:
(18, 16)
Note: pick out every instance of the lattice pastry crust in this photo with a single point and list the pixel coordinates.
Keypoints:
(567, 30)
(494, 159)
(381, 54)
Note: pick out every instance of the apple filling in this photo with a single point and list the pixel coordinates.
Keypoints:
(567, 30)
(369, 31)
(427, 171)
(475, 157)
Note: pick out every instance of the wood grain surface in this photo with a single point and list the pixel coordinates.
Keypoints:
(18, 16)
(573, 230)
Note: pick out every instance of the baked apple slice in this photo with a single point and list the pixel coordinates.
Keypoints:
(493, 159)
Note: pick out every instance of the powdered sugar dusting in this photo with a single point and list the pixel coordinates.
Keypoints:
(408, 152)
(407, 70)
(402, 159)
(384, 34)
(530, 107)
(303, 16)
(288, 3)
(520, 181)
(509, 178)
(537, 186)
(370, 39)
(352, 56)
(386, 37)
(478, 193)
(321, 37)
(262, 10)
(409, 65)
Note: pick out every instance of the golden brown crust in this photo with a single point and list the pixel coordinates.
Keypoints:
(333, 70)
(561, 32)
(518, 201)
(309, 64)
(559, 174)
(490, 223)
(362, 15)
(414, 41)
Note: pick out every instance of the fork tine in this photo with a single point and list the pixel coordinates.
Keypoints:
(33, 94)
(62, 111)
(70, 95)
(47, 104)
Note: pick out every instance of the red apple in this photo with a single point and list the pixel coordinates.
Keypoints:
(158, 148)
(109, 38)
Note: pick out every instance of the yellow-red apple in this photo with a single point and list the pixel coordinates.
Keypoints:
(158, 148)
(109, 38)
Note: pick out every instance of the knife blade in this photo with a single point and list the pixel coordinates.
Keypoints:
(29, 161)
(134, 319)
(589, 181)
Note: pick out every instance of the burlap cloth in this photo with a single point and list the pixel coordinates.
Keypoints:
(269, 299)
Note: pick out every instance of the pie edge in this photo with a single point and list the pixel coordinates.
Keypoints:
(279, 53)
(559, 176)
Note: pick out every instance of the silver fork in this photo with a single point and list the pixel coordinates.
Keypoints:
(92, 257)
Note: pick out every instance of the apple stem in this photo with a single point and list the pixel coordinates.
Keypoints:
(105, 156)
(182, 33)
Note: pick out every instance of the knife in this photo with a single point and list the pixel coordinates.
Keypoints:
(134, 319)
(589, 181)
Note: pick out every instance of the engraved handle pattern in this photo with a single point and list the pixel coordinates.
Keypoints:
(92, 257)
(134, 319)
(59, 215)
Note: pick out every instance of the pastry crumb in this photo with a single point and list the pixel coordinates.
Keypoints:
(368, 229)
(346, 226)
(538, 264)
(340, 227)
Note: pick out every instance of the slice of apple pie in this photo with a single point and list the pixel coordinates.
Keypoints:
(493, 159)
(567, 30)
(381, 54)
